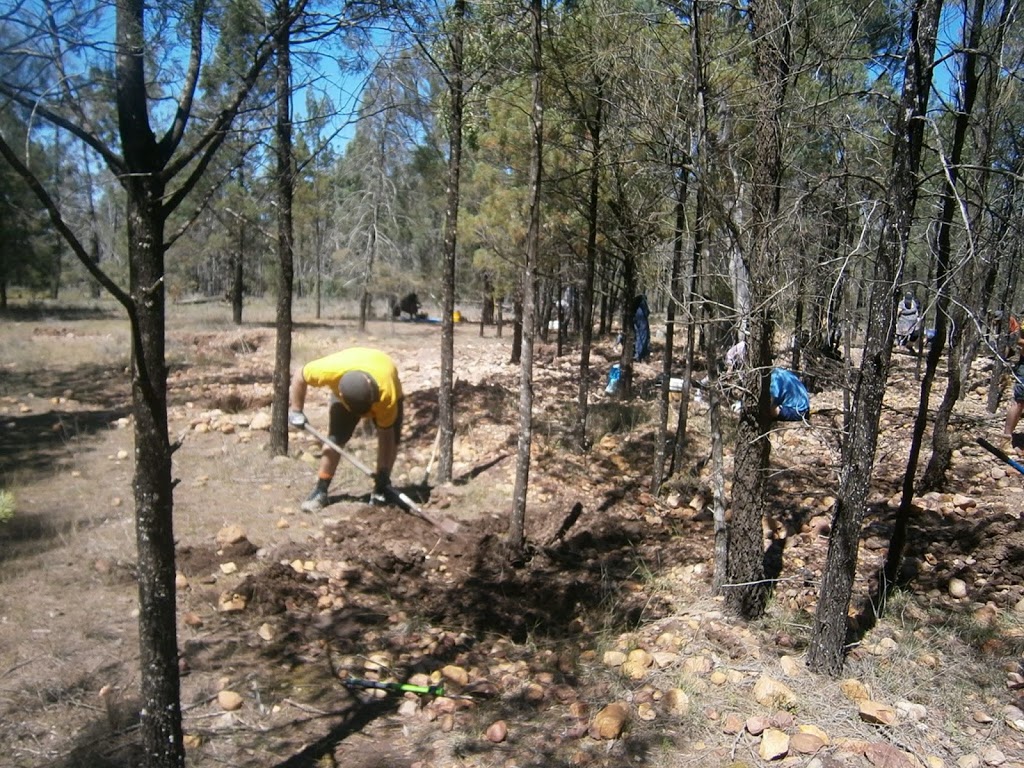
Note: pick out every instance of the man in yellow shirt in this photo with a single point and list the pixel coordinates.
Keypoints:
(363, 384)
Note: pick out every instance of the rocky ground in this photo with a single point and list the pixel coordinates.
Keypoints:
(605, 648)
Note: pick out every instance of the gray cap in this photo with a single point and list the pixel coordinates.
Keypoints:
(358, 392)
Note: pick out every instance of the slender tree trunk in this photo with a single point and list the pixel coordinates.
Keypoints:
(516, 534)
(318, 268)
(699, 238)
(445, 399)
(828, 640)
(721, 557)
(747, 594)
(675, 287)
(596, 125)
(153, 487)
(161, 730)
(943, 252)
(285, 184)
(237, 273)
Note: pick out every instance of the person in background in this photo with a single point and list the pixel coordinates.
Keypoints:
(1013, 413)
(908, 321)
(736, 356)
(409, 305)
(790, 400)
(363, 384)
(641, 329)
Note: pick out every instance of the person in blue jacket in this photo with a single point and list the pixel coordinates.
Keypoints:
(641, 328)
(790, 401)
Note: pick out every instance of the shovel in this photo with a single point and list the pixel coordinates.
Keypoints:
(999, 453)
(449, 527)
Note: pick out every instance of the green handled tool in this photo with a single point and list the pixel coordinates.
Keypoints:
(429, 690)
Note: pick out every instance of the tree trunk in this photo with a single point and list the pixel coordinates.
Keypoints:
(285, 181)
(516, 533)
(747, 594)
(968, 89)
(517, 332)
(826, 651)
(596, 125)
(445, 398)
(237, 274)
(675, 280)
(154, 520)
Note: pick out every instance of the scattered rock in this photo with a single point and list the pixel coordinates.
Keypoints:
(854, 690)
(957, 588)
(260, 422)
(772, 693)
(732, 724)
(815, 731)
(676, 702)
(230, 534)
(610, 721)
(791, 667)
(992, 755)
(231, 602)
(888, 756)
(877, 713)
(455, 674)
(613, 658)
(911, 712)
(774, 744)
(229, 700)
(756, 725)
(806, 743)
(636, 664)
(497, 732)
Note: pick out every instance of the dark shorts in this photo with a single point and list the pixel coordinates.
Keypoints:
(788, 413)
(342, 423)
(1018, 384)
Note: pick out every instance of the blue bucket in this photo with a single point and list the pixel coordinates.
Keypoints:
(613, 380)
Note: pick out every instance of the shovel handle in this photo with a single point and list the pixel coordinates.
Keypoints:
(449, 527)
(1000, 454)
(338, 449)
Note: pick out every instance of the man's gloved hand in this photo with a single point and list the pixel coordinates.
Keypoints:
(297, 419)
(381, 483)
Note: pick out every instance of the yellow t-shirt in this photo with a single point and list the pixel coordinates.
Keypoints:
(327, 372)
